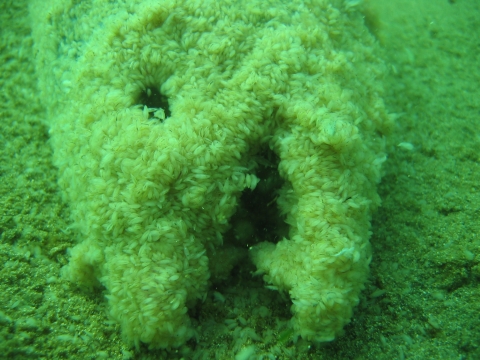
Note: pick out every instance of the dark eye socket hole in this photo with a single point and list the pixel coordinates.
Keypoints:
(258, 218)
(153, 98)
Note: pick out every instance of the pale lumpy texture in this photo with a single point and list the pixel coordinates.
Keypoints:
(152, 191)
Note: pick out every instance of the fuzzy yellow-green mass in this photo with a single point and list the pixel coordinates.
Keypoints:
(165, 116)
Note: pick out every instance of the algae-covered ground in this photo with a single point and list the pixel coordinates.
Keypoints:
(423, 296)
